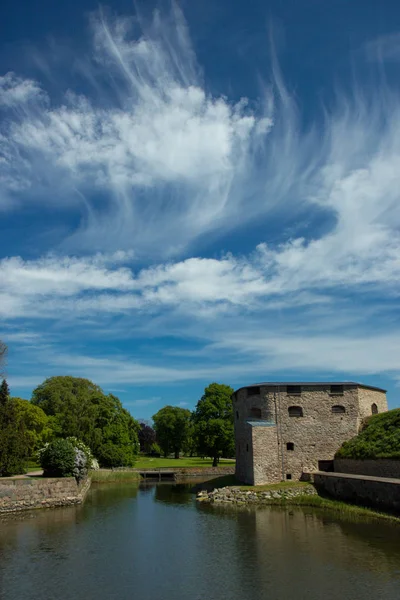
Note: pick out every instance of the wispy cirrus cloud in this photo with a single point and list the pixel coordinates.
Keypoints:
(150, 162)
(384, 48)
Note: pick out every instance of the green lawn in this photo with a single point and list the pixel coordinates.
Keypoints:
(147, 462)
(32, 465)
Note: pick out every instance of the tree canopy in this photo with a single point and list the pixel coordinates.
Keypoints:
(147, 437)
(81, 409)
(171, 425)
(37, 425)
(213, 421)
(13, 443)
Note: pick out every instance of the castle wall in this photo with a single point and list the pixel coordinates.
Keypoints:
(369, 397)
(319, 433)
(262, 451)
(266, 460)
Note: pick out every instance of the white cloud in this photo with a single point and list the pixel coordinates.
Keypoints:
(384, 48)
(15, 91)
(154, 162)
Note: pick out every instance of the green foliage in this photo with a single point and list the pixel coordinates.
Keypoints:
(379, 438)
(79, 408)
(4, 392)
(171, 425)
(58, 459)
(14, 447)
(155, 449)
(36, 423)
(213, 422)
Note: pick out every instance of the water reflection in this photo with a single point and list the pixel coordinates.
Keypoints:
(155, 542)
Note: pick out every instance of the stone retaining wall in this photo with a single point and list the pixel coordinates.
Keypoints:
(374, 468)
(28, 493)
(235, 495)
(377, 492)
(182, 472)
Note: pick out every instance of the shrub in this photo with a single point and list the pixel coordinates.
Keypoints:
(58, 459)
(378, 438)
(67, 457)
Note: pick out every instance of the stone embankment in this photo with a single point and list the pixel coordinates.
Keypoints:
(17, 494)
(235, 495)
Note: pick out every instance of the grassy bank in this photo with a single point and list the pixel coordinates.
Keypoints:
(306, 500)
(341, 508)
(147, 462)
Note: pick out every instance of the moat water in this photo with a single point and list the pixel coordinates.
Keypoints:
(157, 543)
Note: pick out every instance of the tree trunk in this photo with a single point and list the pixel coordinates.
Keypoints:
(176, 453)
(215, 461)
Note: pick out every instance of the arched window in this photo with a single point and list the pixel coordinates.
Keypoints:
(338, 409)
(290, 446)
(295, 411)
(374, 409)
(253, 391)
(255, 413)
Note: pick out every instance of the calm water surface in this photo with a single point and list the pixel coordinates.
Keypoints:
(156, 543)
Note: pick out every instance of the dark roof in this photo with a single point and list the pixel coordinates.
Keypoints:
(277, 384)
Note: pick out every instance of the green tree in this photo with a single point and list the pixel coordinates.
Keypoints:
(36, 423)
(171, 425)
(14, 448)
(213, 421)
(79, 408)
(3, 356)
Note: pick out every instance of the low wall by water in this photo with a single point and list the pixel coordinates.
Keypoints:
(374, 468)
(38, 492)
(376, 492)
(183, 472)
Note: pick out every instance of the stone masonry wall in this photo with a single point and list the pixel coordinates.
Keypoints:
(319, 433)
(267, 466)
(376, 492)
(299, 443)
(373, 468)
(369, 397)
(28, 493)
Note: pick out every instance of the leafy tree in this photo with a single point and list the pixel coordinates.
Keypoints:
(13, 443)
(3, 356)
(190, 446)
(79, 408)
(147, 437)
(4, 392)
(171, 424)
(36, 423)
(213, 421)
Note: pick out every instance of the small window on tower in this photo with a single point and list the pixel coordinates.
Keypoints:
(253, 391)
(237, 414)
(338, 409)
(255, 413)
(295, 411)
(374, 409)
(290, 446)
(288, 476)
(337, 390)
(293, 390)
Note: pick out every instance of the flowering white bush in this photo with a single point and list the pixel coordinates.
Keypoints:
(83, 461)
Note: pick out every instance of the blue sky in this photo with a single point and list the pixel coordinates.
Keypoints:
(200, 191)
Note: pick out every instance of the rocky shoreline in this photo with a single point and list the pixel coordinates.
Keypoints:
(235, 495)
